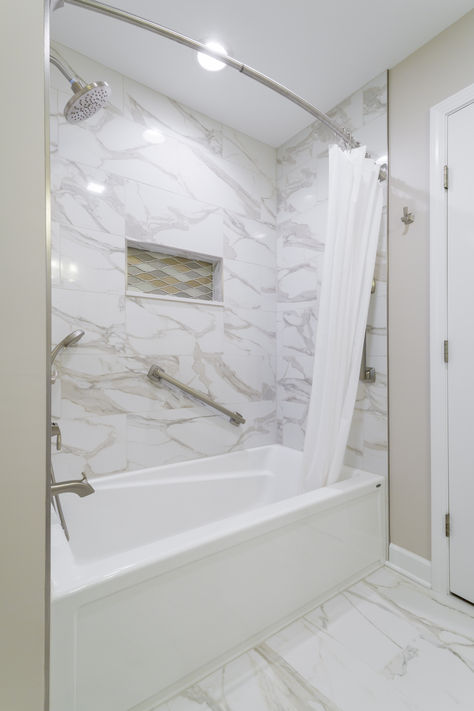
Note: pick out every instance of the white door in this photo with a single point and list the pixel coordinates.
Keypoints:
(460, 229)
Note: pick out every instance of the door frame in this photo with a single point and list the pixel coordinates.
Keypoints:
(438, 266)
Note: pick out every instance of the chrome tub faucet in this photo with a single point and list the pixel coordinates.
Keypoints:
(81, 487)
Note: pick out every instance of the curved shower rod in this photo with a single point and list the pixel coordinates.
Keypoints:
(124, 16)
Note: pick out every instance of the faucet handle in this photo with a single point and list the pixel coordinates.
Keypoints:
(56, 432)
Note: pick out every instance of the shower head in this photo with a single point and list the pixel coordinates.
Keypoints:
(69, 340)
(87, 100)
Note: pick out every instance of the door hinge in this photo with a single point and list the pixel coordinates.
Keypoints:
(446, 351)
(447, 525)
(445, 177)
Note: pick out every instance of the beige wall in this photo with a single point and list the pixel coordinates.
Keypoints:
(23, 354)
(440, 68)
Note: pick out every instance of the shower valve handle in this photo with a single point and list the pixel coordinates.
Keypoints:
(56, 432)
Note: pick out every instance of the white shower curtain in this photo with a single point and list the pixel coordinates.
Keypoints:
(354, 212)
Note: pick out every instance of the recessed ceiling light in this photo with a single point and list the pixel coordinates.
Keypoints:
(153, 135)
(209, 63)
(95, 188)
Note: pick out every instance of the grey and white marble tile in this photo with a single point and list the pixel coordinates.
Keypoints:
(304, 234)
(159, 217)
(245, 379)
(211, 179)
(302, 182)
(117, 146)
(292, 416)
(176, 178)
(249, 153)
(297, 326)
(296, 150)
(74, 200)
(100, 316)
(384, 643)
(302, 188)
(181, 179)
(249, 331)
(248, 240)
(159, 327)
(300, 282)
(193, 432)
(95, 444)
(250, 286)
(165, 117)
(91, 261)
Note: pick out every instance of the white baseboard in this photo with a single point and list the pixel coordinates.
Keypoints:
(410, 564)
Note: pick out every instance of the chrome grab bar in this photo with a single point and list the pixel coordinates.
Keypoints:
(157, 373)
(368, 374)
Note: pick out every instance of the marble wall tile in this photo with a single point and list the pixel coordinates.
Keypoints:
(301, 281)
(302, 182)
(302, 237)
(210, 179)
(73, 202)
(163, 218)
(302, 188)
(249, 331)
(101, 316)
(251, 286)
(117, 146)
(292, 417)
(91, 261)
(174, 178)
(295, 150)
(95, 445)
(160, 327)
(248, 240)
(249, 153)
(168, 118)
(181, 434)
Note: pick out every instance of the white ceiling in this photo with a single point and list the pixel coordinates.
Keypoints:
(322, 49)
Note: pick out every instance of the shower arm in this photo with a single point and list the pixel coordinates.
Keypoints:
(141, 22)
(54, 60)
(74, 80)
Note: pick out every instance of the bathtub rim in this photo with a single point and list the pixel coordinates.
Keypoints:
(159, 557)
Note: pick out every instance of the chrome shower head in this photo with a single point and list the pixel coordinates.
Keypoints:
(68, 340)
(87, 100)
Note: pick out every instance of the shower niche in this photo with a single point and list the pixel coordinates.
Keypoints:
(157, 271)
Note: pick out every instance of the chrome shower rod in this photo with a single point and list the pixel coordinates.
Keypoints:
(118, 14)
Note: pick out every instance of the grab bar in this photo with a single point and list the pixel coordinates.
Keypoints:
(157, 373)
(368, 374)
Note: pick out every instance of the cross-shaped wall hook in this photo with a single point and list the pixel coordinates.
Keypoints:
(408, 217)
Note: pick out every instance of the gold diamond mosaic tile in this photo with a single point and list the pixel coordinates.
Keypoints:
(169, 275)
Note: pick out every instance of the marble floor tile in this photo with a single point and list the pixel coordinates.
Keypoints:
(384, 644)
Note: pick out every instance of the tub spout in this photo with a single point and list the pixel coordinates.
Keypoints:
(81, 487)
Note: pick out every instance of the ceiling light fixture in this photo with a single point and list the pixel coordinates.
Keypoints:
(209, 63)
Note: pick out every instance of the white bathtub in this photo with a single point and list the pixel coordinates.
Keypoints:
(173, 570)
